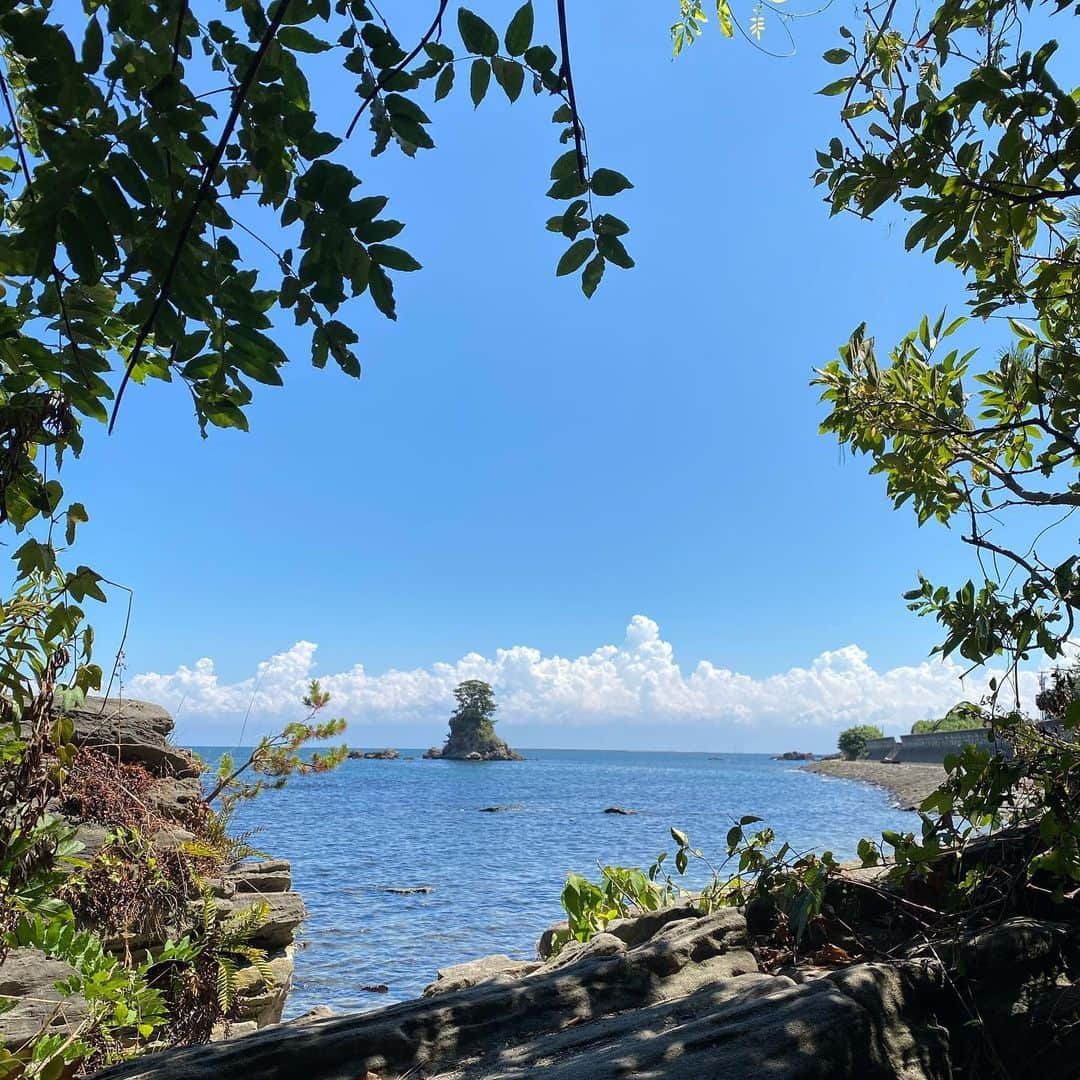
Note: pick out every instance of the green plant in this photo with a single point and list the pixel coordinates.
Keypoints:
(852, 741)
(783, 885)
(123, 1010)
(962, 717)
(277, 757)
(199, 971)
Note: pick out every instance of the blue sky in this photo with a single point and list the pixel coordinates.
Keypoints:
(521, 467)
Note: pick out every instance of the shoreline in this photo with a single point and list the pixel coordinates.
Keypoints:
(907, 782)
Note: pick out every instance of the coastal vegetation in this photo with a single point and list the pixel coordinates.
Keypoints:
(852, 741)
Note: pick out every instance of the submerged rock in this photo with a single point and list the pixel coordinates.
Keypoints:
(374, 755)
(501, 809)
(619, 810)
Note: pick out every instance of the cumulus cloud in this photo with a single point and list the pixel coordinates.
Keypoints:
(638, 682)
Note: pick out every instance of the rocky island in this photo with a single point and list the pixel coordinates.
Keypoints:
(472, 727)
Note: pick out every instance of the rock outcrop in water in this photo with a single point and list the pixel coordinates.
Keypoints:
(472, 728)
(138, 732)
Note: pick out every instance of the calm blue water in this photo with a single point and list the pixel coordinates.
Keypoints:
(496, 878)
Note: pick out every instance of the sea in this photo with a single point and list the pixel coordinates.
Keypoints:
(494, 879)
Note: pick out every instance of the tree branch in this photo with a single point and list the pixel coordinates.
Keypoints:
(571, 100)
(432, 30)
(203, 190)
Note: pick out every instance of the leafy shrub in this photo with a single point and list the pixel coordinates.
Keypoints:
(852, 741)
(785, 886)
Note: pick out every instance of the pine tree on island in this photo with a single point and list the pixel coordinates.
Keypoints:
(472, 727)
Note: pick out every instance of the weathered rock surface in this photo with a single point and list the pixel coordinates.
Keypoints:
(30, 978)
(686, 1000)
(270, 876)
(474, 746)
(374, 755)
(137, 730)
(487, 969)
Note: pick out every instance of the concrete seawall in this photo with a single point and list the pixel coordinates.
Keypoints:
(932, 747)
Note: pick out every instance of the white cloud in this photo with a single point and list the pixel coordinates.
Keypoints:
(638, 682)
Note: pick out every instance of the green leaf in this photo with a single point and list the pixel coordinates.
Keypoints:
(609, 182)
(412, 132)
(397, 105)
(93, 46)
(680, 837)
(592, 274)
(837, 56)
(520, 31)
(567, 187)
(541, 58)
(382, 291)
(610, 225)
(393, 257)
(574, 256)
(78, 246)
(76, 515)
(437, 51)
(612, 249)
(299, 39)
(476, 34)
(365, 209)
(565, 165)
(479, 78)
(445, 83)
(510, 76)
(841, 86)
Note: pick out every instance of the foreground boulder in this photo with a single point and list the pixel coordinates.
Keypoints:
(685, 1000)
